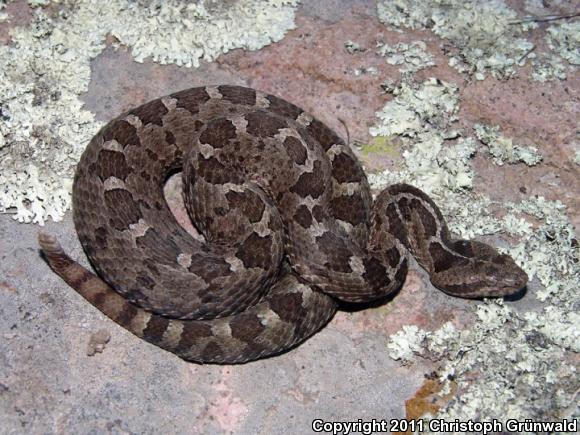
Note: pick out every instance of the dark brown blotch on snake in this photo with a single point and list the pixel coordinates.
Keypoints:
(289, 224)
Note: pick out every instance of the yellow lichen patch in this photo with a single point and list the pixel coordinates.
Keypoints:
(381, 145)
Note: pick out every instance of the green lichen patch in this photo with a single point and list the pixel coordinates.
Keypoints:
(503, 149)
(383, 145)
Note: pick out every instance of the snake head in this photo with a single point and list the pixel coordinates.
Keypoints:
(499, 276)
(509, 278)
(487, 273)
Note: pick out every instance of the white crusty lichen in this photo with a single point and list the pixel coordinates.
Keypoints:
(418, 108)
(186, 32)
(413, 14)
(43, 126)
(353, 47)
(487, 36)
(3, 15)
(519, 357)
(548, 67)
(503, 149)
(423, 114)
(549, 252)
(413, 56)
(365, 70)
(483, 32)
(406, 343)
(42, 122)
(564, 39)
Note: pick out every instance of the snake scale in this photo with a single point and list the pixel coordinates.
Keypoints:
(288, 222)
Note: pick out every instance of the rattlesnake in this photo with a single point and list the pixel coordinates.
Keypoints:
(289, 224)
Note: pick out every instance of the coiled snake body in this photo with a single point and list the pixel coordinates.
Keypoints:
(287, 217)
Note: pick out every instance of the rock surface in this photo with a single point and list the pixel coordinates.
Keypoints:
(50, 384)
